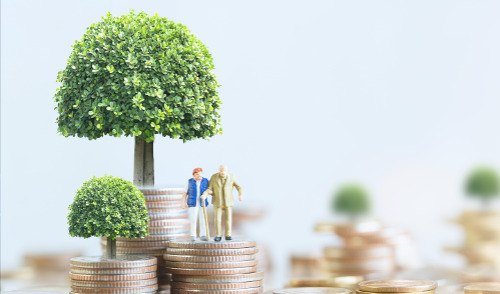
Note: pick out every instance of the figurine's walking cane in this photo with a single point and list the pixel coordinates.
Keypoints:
(206, 218)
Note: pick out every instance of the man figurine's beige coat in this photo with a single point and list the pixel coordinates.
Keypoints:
(221, 185)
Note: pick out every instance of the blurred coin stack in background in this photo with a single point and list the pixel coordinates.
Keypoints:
(121, 275)
(369, 247)
(345, 282)
(312, 290)
(49, 267)
(167, 221)
(397, 287)
(482, 288)
(206, 267)
(305, 265)
(481, 238)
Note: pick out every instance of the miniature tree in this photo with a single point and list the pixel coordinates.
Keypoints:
(483, 183)
(351, 200)
(108, 207)
(138, 75)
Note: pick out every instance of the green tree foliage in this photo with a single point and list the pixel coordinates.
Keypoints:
(483, 183)
(351, 199)
(138, 75)
(108, 207)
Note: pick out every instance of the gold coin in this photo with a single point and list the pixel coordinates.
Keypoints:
(319, 290)
(214, 265)
(358, 252)
(127, 277)
(482, 288)
(118, 262)
(126, 290)
(211, 252)
(234, 244)
(255, 290)
(348, 282)
(423, 292)
(162, 191)
(198, 259)
(219, 286)
(114, 284)
(77, 270)
(211, 272)
(219, 278)
(397, 286)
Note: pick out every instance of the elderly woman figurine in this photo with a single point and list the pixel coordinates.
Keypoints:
(191, 199)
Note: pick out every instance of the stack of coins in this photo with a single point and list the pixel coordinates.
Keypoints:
(210, 267)
(167, 221)
(397, 287)
(122, 275)
(305, 265)
(368, 247)
(482, 237)
(312, 290)
(346, 282)
(358, 260)
(482, 288)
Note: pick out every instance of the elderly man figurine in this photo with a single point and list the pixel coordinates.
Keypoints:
(221, 186)
(191, 199)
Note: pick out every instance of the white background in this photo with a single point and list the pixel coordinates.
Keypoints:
(402, 96)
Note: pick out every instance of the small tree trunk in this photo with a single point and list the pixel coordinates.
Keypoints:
(110, 248)
(144, 171)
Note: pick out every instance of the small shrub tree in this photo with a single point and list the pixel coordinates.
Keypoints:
(108, 207)
(483, 183)
(351, 200)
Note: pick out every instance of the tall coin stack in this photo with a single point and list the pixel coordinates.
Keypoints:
(214, 267)
(397, 287)
(482, 238)
(167, 221)
(121, 275)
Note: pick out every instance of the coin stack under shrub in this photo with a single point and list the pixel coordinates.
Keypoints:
(358, 260)
(167, 221)
(482, 238)
(122, 275)
(209, 267)
(397, 287)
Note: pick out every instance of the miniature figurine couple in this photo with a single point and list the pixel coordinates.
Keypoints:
(220, 187)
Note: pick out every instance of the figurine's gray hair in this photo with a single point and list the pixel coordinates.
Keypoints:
(222, 167)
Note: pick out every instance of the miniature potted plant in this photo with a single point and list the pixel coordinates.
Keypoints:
(108, 207)
(483, 184)
(351, 200)
(138, 75)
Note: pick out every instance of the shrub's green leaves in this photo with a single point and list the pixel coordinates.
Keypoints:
(483, 182)
(131, 71)
(108, 207)
(351, 199)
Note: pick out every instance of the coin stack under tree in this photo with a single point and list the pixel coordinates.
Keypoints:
(482, 238)
(121, 275)
(397, 287)
(369, 247)
(213, 267)
(167, 221)
(312, 290)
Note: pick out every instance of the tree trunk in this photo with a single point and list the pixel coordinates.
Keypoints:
(144, 171)
(110, 248)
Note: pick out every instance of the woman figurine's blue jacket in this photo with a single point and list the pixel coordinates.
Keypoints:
(192, 192)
